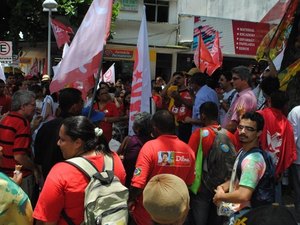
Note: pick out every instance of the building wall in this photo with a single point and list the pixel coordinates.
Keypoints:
(165, 37)
(248, 10)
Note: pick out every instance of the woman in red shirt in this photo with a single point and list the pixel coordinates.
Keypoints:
(105, 104)
(65, 185)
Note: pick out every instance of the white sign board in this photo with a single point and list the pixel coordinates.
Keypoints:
(5, 51)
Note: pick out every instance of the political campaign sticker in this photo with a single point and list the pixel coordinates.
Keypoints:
(182, 159)
(205, 133)
(165, 158)
(224, 147)
(137, 171)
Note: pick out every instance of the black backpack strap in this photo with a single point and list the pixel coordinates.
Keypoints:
(107, 174)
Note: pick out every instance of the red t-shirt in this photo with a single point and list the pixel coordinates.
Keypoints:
(165, 154)
(15, 138)
(158, 101)
(5, 102)
(110, 110)
(64, 189)
(182, 111)
(208, 137)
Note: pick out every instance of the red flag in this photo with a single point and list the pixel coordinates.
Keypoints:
(34, 70)
(276, 13)
(82, 60)
(205, 60)
(278, 139)
(216, 53)
(141, 80)
(61, 32)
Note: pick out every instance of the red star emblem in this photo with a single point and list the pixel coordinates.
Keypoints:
(138, 75)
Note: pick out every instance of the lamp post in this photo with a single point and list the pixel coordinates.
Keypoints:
(49, 5)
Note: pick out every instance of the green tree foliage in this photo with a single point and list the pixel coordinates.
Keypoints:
(27, 16)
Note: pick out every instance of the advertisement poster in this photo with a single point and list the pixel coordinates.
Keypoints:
(236, 37)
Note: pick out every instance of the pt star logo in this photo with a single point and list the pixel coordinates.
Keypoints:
(138, 75)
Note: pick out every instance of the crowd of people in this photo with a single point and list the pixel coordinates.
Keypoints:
(167, 164)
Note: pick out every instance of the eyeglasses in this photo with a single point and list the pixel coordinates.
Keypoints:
(235, 78)
(250, 129)
(32, 104)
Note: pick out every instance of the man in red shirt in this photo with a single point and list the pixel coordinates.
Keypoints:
(180, 104)
(15, 138)
(165, 154)
(203, 211)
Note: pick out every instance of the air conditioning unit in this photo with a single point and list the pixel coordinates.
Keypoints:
(186, 30)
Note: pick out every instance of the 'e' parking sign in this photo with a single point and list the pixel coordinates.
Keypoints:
(6, 51)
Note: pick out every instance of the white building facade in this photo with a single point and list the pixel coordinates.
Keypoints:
(170, 29)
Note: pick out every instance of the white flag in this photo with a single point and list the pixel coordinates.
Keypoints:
(82, 60)
(2, 75)
(56, 68)
(141, 80)
(109, 76)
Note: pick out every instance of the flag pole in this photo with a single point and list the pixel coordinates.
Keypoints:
(199, 49)
(150, 108)
(97, 81)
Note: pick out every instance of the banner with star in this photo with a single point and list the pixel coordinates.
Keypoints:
(141, 80)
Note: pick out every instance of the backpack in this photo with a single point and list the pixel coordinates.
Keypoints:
(264, 192)
(105, 200)
(217, 166)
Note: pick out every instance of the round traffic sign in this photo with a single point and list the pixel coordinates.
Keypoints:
(4, 48)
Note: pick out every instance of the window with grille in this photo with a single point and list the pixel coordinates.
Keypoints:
(157, 11)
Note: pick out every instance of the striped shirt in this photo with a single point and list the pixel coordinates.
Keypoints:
(15, 138)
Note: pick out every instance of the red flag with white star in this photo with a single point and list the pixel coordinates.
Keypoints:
(141, 80)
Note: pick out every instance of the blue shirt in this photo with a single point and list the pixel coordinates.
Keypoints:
(204, 94)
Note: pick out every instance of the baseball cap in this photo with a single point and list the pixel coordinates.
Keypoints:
(192, 71)
(95, 116)
(269, 215)
(166, 199)
(45, 77)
